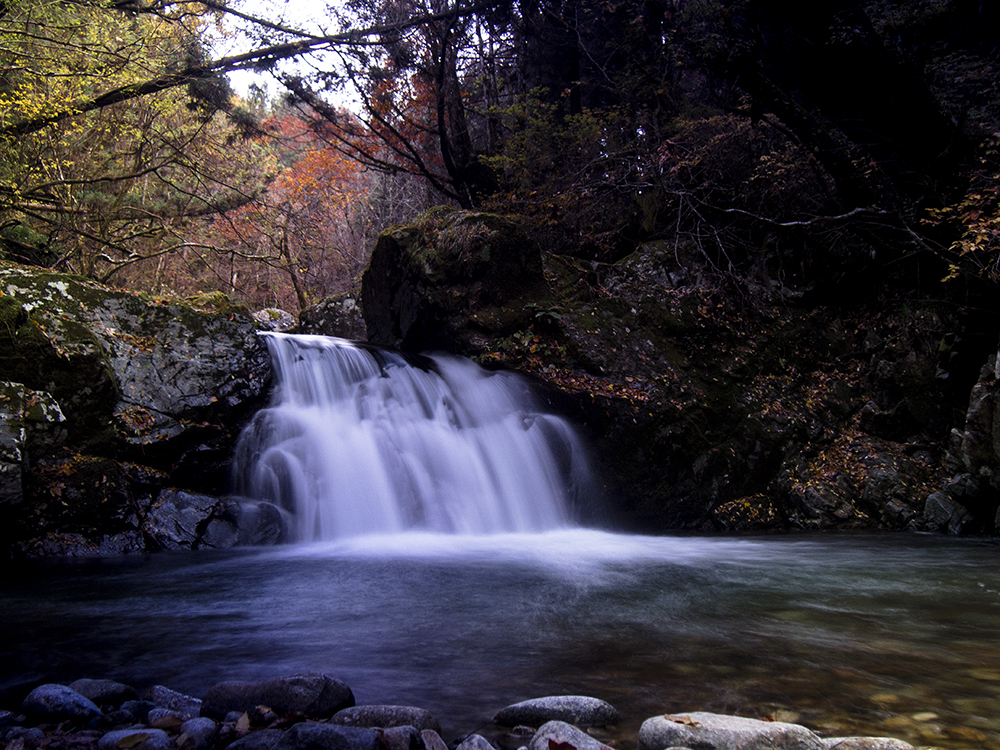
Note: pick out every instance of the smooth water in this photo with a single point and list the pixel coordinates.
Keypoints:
(891, 635)
(361, 441)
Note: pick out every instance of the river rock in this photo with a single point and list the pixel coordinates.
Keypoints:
(386, 716)
(55, 703)
(402, 738)
(559, 733)
(708, 731)
(265, 739)
(572, 709)
(432, 740)
(865, 743)
(184, 705)
(309, 736)
(312, 694)
(475, 742)
(197, 733)
(104, 692)
(177, 519)
(141, 738)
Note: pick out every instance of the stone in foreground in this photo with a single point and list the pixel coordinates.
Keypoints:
(558, 734)
(312, 694)
(308, 736)
(55, 703)
(385, 717)
(572, 709)
(714, 732)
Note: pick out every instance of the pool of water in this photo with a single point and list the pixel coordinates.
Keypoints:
(847, 634)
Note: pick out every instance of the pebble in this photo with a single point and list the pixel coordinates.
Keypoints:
(58, 716)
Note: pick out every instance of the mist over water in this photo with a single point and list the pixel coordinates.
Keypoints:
(360, 441)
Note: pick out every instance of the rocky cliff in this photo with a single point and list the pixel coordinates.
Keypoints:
(117, 416)
(712, 407)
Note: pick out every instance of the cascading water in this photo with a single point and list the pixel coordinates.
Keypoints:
(361, 441)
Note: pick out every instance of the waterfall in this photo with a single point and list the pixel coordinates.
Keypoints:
(363, 441)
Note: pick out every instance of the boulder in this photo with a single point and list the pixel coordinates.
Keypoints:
(55, 703)
(338, 316)
(177, 519)
(449, 278)
(309, 736)
(314, 695)
(402, 738)
(572, 709)
(104, 692)
(386, 716)
(475, 742)
(185, 705)
(558, 734)
(151, 394)
(197, 734)
(141, 738)
(708, 731)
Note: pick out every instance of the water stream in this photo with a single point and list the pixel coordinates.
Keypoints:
(438, 566)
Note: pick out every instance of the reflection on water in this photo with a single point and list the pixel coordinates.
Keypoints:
(846, 634)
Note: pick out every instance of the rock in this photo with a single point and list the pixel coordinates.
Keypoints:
(265, 739)
(402, 738)
(142, 738)
(386, 716)
(941, 513)
(55, 703)
(441, 281)
(168, 719)
(104, 692)
(714, 732)
(274, 319)
(184, 705)
(865, 743)
(314, 695)
(309, 736)
(262, 524)
(572, 709)
(475, 742)
(559, 733)
(432, 740)
(197, 734)
(339, 316)
(177, 519)
(130, 712)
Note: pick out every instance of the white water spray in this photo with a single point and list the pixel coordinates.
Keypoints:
(359, 441)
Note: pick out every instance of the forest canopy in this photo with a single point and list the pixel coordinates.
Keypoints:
(771, 146)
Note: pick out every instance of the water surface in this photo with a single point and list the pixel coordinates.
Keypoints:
(890, 635)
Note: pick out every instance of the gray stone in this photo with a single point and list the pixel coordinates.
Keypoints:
(475, 742)
(177, 519)
(865, 743)
(558, 733)
(265, 739)
(941, 513)
(386, 716)
(339, 315)
(164, 697)
(137, 738)
(432, 740)
(310, 736)
(55, 703)
(104, 692)
(573, 709)
(714, 732)
(275, 319)
(314, 695)
(402, 738)
(197, 733)
(262, 524)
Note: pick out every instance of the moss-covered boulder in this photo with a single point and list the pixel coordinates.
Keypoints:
(450, 281)
(152, 394)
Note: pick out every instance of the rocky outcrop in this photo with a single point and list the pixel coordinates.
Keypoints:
(709, 407)
(338, 316)
(108, 399)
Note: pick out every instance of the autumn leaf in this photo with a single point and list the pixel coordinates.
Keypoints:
(685, 720)
(132, 740)
(243, 725)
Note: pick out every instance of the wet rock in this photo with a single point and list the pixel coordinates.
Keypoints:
(338, 316)
(104, 692)
(715, 732)
(475, 742)
(142, 738)
(312, 694)
(184, 705)
(402, 738)
(262, 524)
(265, 739)
(309, 736)
(559, 733)
(177, 519)
(432, 740)
(941, 513)
(865, 743)
(572, 709)
(197, 734)
(55, 703)
(386, 716)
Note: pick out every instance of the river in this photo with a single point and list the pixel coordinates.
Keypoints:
(873, 634)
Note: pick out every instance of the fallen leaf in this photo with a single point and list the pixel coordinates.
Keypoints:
(243, 725)
(132, 740)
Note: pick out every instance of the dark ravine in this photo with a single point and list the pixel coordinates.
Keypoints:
(315, 711)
